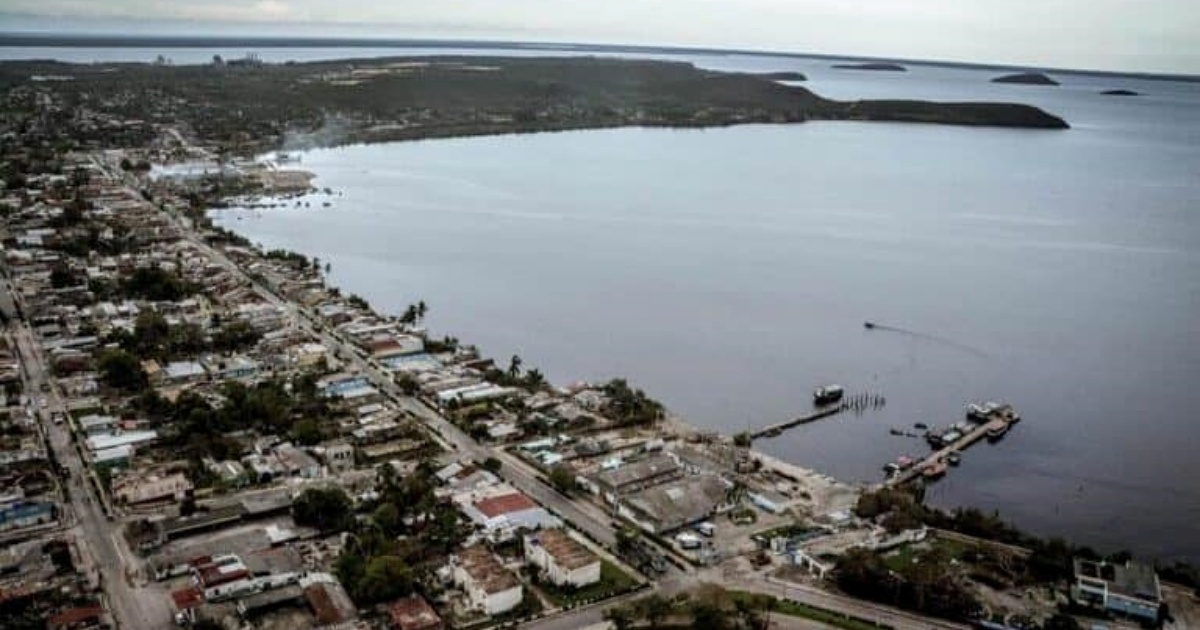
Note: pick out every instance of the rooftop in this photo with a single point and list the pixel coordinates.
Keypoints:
(414, 613)
(567, 552)
(656, 465)
(485, 570)
(492, 507)
(1130, 579)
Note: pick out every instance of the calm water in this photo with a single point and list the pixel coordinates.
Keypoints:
(729, 271)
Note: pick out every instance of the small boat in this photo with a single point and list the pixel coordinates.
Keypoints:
(934, 470)
(905, 462)
(996, 429)
(895, 431)
(828, 394)
(891, 469)
(954, 458)
(921, 426)
(869, 325)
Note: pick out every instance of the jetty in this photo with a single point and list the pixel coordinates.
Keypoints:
(779, 427)
(998, 419)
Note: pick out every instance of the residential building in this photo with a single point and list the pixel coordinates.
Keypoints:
(20, 513)
(414, 613)
(490, 587)
(562, 560)
(138, 488)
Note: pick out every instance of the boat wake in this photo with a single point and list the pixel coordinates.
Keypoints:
(943, 341)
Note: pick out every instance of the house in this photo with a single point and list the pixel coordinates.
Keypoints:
(137, 488)
(183, 371)
(562, 560)
(338, 456)
(297, 463)
(1130, 590)
(500, 511)
(414, 613)
(490, 588)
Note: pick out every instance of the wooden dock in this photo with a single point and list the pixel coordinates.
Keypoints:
(959, 445)
(779, 427)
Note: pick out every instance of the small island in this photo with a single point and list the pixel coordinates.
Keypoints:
(785, 75)
(1120, 93)
(1026, 78)
(876, 66)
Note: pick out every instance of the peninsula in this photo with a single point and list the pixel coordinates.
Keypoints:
(245, 106)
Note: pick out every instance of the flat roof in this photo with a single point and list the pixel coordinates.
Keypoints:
(1131, 579)
(567, 552)
(492, 507)
(486, 571)
(633, 472)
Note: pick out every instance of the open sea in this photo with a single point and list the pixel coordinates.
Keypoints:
(729, 271)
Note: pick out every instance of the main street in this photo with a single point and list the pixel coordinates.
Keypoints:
(106, 556)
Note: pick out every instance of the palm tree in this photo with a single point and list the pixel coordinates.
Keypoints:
(422, 309)
(655, 609)
(514, 366)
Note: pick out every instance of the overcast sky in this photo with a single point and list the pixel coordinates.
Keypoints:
(1152, 35)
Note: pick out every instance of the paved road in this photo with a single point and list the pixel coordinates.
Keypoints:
(104, 551)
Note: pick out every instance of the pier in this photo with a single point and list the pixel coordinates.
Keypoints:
(939, 456)
(779, 427)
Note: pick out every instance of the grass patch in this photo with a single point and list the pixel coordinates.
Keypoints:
(901, 560)
(613, 582)
(794, 609)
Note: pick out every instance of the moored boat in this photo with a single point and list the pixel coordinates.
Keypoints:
(934, 470)
(828, 394)
(996, 429)
(954, 458)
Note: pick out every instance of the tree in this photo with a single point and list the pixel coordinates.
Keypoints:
(562, 478)
(514, 366)
(743, 439)
(121, 370)
(620, 617)
(61, 277)
(327, 509)
(387, 517)
(709, 616)
(655, 608)
(306, 432)
(385, 578)
(1061, 622)
(492, 465)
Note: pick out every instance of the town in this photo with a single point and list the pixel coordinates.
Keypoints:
(200, 432)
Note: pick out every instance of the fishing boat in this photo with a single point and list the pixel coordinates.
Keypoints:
(954, 458)
(934, 470)
(828, 394)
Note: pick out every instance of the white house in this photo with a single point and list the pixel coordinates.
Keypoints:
(562, 559)
(490, 587)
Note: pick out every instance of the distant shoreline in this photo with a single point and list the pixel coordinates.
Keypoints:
(37, 40)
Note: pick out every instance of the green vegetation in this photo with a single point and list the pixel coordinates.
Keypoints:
(249, 108)
(157, 284)
(327, 509)
(406, 534)
(758, 601)
(613, 582)
(927, 585)
(630, 407)
(121, 370)
(562, 477)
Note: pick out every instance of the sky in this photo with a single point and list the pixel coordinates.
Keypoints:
(1130, 35)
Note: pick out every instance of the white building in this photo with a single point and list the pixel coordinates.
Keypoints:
(140, 489)
(562, 560)
(490, 587)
